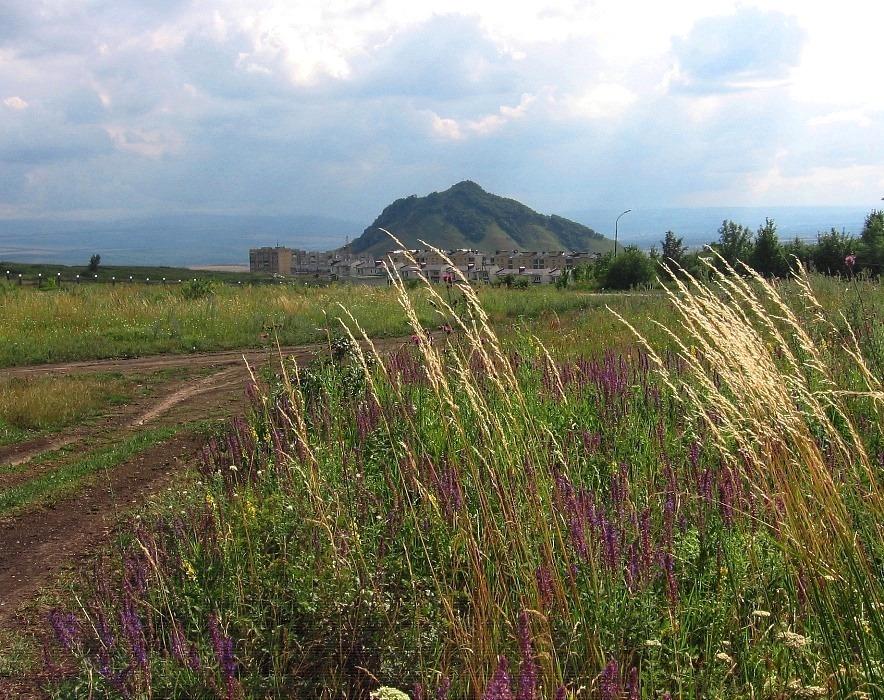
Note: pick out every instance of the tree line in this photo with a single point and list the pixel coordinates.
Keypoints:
(834, 253)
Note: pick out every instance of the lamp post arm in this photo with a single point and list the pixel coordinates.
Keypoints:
(616, 224)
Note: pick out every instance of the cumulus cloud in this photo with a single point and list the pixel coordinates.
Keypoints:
(337, 108)
(15, 102)
(746, 50)
(484, 125)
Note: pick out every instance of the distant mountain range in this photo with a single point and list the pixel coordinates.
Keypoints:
(466, 216)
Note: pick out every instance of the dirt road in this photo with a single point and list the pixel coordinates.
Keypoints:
(37, 545)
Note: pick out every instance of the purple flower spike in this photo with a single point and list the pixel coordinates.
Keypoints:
(66, 628)
(633, 692)
(498, 687)
(528, 662)
(134, 633)
(671, 583)
(544, 586)
(609, 682)
(222, 645)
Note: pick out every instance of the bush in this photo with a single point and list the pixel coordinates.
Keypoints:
(629, 269)
(198, 289)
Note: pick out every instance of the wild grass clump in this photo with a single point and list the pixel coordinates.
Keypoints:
(766, 384)
(463, 519)
(30, 405)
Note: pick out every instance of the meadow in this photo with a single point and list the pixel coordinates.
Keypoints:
(75, 322)
(542, 495)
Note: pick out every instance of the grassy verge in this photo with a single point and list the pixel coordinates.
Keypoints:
(71, 477)
(31, 406)
(35, 406)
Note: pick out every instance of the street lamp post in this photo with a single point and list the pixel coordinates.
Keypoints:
(615, 231)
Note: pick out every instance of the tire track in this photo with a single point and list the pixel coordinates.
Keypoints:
(37, 545)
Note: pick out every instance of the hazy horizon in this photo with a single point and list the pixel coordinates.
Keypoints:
(193, 240)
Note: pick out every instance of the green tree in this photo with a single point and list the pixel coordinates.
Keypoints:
(830, 251)
(508, 280)
(672, 255)
(734, 243)
(871, 251)
(94, 262)
(767, 257)
(632, 267)
(798, 249)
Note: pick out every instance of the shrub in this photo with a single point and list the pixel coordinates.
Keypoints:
(631, 268)
(197, 289)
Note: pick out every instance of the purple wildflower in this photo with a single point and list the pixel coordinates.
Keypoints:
(726, 493)
(528, 663)
(561, 693)
(499, 687)
(105, 634)
(183, 651)
(609, 682)
(543, 577)
(668, 519)
(591, 441)
(222, 645)
(633, 691)
(694, 454)
(444, 687)
(66, 628)
(645, 538)
(134, 632)
(117, 679)
(611, 545)
(633, 567)
(671, 584)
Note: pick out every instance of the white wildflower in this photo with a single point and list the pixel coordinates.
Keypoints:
(793, 640)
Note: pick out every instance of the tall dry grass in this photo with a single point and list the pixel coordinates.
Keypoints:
(766, 384)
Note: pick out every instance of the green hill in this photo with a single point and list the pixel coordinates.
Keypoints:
(466, 216)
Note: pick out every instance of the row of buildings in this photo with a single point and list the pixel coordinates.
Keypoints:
(476, 266)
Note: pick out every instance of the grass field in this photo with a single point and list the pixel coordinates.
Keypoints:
(95, 321)
(677, 496)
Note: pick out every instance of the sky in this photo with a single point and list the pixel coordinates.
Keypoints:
(117, 108)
